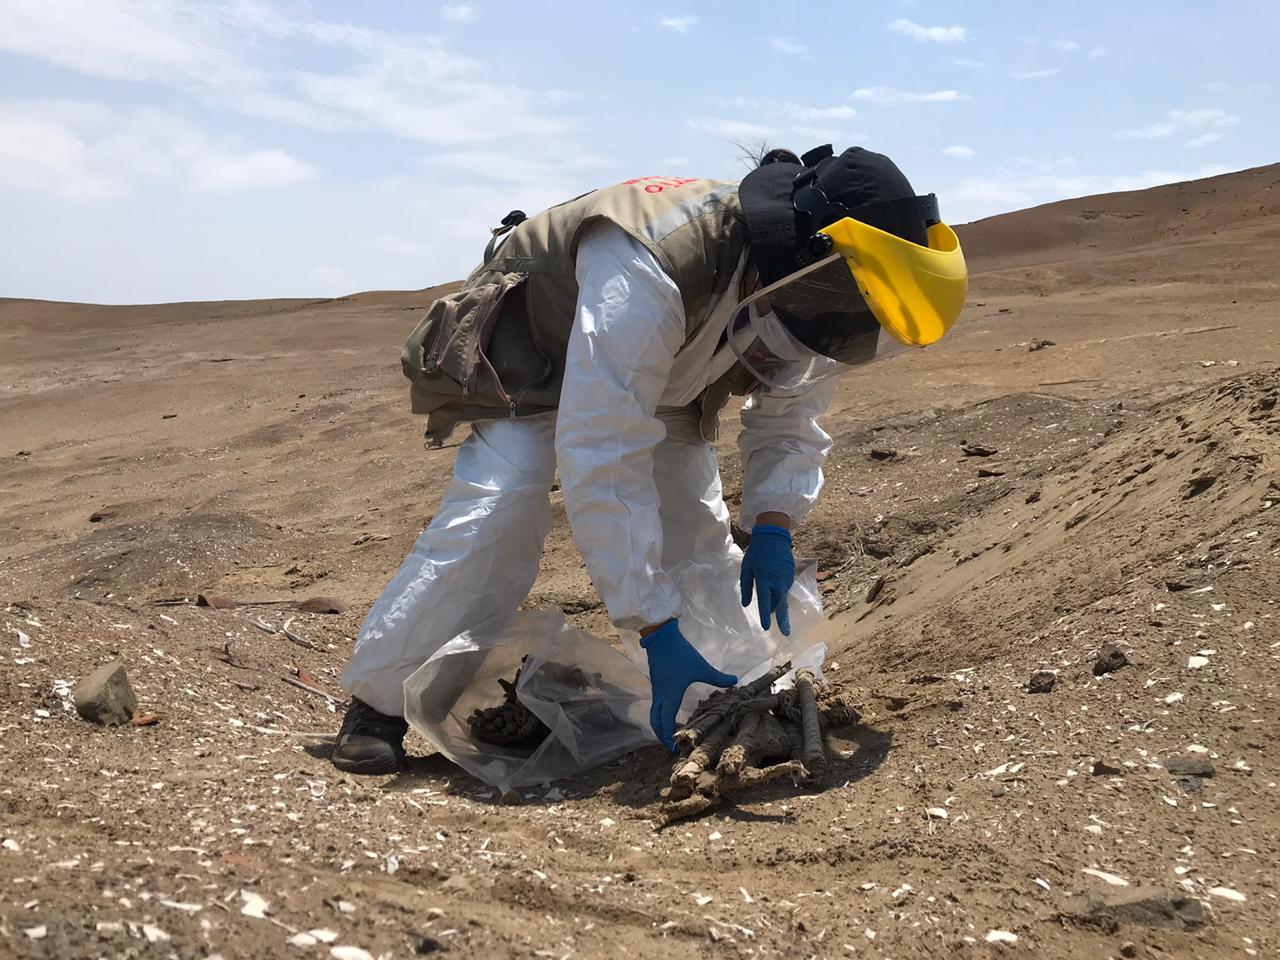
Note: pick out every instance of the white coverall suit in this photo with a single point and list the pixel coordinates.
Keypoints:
(641, 486)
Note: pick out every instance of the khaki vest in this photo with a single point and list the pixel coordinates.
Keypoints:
(496, 347)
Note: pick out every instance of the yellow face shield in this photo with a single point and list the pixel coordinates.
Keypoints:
(915, 292)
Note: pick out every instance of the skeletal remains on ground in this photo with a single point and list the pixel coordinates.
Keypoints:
(512, 724)
(745, 736)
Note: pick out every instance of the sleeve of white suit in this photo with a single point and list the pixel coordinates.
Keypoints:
(630, 323)
(783, 452)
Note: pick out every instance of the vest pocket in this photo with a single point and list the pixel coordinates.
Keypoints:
(446, 352)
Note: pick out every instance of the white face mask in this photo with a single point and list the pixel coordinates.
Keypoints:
(782, 364)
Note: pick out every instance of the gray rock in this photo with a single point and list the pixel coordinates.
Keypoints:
(1110, 659)
(1189, 766)
(1042, 681)
(1141, 906)
(105, 696)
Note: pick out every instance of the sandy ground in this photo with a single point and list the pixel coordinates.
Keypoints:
(264, 450)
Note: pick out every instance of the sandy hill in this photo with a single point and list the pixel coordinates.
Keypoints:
(1117, 221)
(1117, 364)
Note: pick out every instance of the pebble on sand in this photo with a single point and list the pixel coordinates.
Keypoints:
(105, 696)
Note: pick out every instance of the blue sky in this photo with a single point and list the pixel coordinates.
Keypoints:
(207, 149)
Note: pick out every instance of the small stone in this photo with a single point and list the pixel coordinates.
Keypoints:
(1189, 766)
(215, 601)
(1039, 344)
(1128, 949)
(998, 791)
(877, 585)
(1141, 906)
(1110, 659)
(424, 945)
(1042, 681)
(105, 696)
(978, 450)
(322, 605)
(1103, 769)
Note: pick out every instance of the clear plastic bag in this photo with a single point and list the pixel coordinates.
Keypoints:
(593, 698)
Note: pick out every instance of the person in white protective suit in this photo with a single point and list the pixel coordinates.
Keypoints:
(602, 338)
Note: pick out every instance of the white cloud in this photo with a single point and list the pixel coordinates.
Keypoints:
(157, 40)
(803, 114)
(259, 168)
(894, 95)
(679, 24)
(971, 64)
(959, 151)
(459, 12)
(329, 281)
(975, 197)
(1065, 45)
(1204, 139)
(1097, 53)
(409, 85)
(1035, 74)
(789, 46)
(83, 151)
(731, 129)
(923, 34)
(1181, 121)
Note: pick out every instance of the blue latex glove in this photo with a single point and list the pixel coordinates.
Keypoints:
(673, 666)
(769, 566)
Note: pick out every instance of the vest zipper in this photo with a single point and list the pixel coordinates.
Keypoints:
(474, 354)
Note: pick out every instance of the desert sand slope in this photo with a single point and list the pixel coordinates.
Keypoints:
(1027, 509)
(1117, 221)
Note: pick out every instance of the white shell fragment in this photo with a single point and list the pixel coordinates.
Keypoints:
(1196, 662)
(1001, 936)
(303, 940)
(323, 935)
(1102, 875)
(36, 933)
(254, 905)
(937, 813)
(350, 953)
(1226, 893)
(185, 907)
(154, 934)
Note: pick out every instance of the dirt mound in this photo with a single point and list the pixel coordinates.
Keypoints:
(1146, 482)
(1121, 221)
(176, 556)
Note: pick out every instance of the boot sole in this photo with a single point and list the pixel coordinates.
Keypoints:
(370, 767)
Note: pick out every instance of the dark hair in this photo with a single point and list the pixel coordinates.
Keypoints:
(777, 155)
(761, 154)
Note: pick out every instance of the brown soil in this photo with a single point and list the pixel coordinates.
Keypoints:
(263, 451)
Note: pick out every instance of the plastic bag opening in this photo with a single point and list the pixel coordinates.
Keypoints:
(593, 698)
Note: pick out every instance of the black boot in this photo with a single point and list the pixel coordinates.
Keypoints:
(369, 741)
